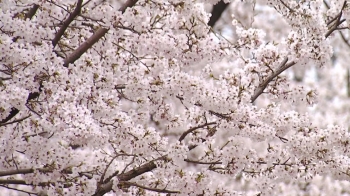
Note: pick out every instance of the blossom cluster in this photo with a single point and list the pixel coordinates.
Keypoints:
(144, 98)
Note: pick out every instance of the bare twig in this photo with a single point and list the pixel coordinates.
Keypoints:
(203, 163)
(223, 116)
(19, 190)
(326, 4)
(139, 170)
(148, 188)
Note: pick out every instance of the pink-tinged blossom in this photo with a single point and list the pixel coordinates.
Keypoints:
(145, 98)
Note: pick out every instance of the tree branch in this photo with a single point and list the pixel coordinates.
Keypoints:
(139, 170)
(148, 188)
(13, 181)
(129, 3)
(104, 172)
(337, 22)
(203, 163)
(66, 23)
(13, 113)
(85, 46)
(283, 66)
(15, 121)
(105, 188)
(182, 137)
(93, 39)
(14, 172)
(15, 189)
(31, 12)
(22, 182)
(216, 12)
(24, 171)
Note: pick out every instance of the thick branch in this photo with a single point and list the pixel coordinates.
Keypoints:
(129, 3)
(105, 188)
(24, 171)
(22, 182)
(93, 39)
(15, 121)
(138, 171)
(85, 46)
(14, 172)
(13, 113)
(66, 23)
(12, 181)
(31, 12)
(216, 13)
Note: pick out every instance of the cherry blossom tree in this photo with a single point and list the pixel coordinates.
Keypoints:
(174, 97)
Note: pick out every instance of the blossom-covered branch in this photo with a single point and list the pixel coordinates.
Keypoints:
(100, 32)
(67, 22)
(153, 98)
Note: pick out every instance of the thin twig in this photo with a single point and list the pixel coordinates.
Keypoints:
(19, 190)
(182, 137)
(338, 21)
(105, 171)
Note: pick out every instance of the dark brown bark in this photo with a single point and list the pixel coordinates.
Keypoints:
(216, 13)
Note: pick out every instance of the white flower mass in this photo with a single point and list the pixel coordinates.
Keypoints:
(159, 98)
